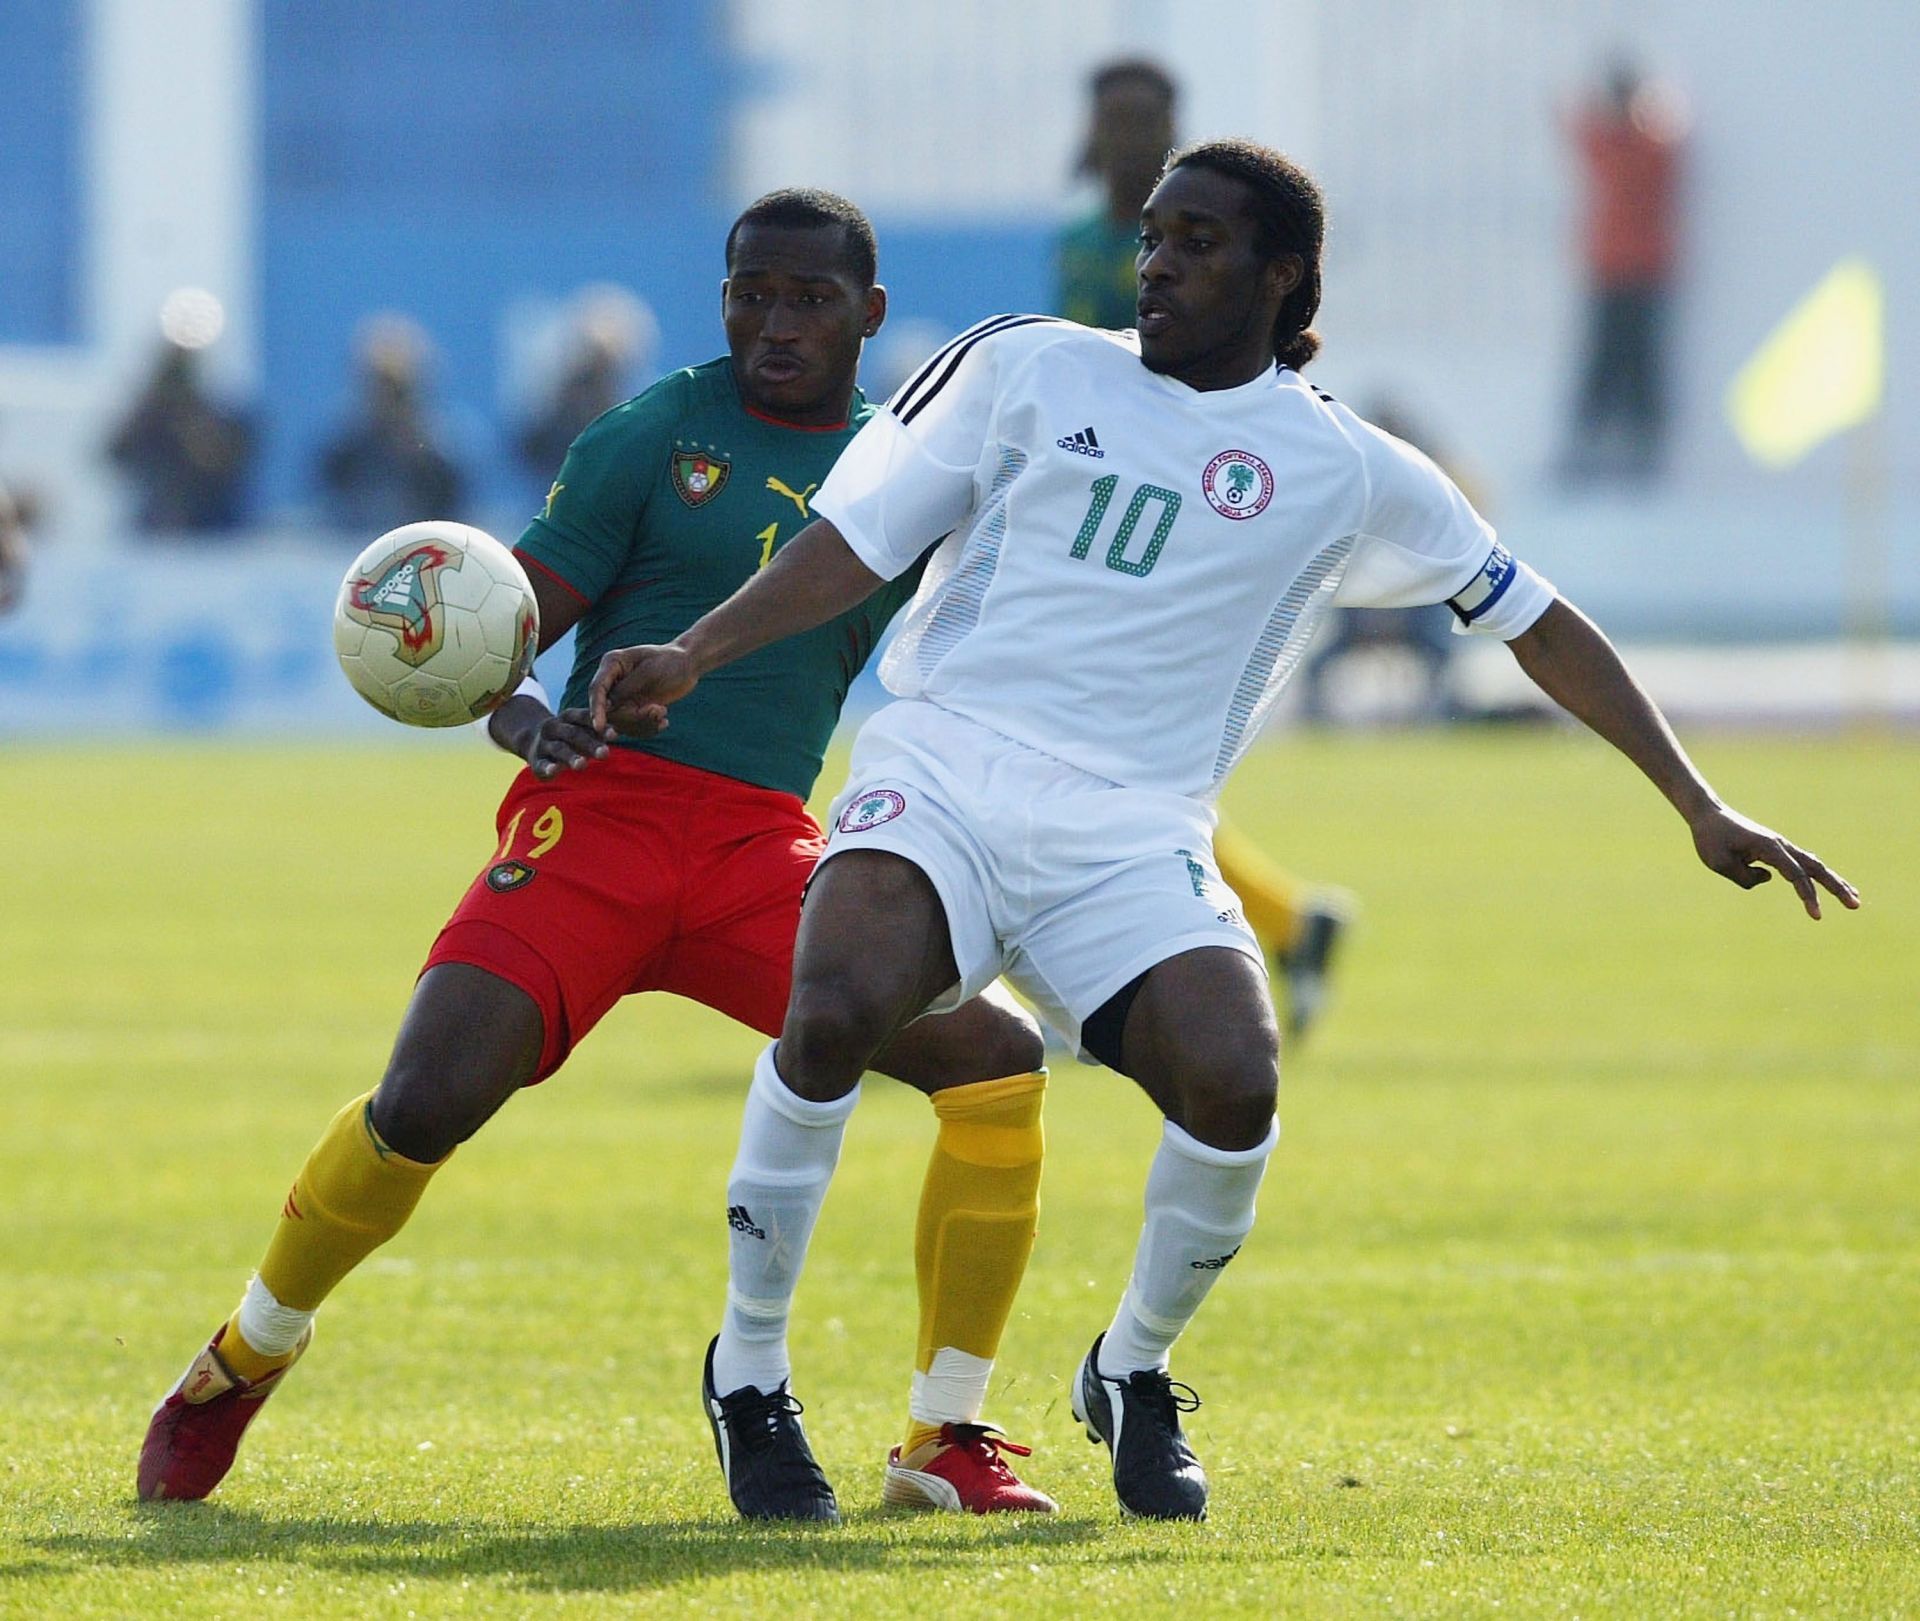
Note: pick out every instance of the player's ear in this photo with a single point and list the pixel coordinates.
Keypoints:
(876, 310)
(724, 285)
(1286, 273)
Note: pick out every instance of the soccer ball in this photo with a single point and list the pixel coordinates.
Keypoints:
(436, 624)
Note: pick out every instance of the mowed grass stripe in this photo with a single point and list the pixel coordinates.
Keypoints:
(1585, 1280)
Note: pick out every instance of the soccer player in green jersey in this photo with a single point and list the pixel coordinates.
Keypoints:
(676, 860)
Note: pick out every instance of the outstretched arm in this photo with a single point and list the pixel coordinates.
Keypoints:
(813, 577)
(1576, 666)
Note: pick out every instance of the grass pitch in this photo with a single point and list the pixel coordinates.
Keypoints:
(1585, 1281)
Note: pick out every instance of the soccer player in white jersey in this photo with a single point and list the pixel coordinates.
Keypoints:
(1140, 531)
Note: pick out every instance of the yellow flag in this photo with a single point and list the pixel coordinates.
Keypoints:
(1819, 372)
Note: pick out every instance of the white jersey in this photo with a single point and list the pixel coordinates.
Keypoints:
(1132, 568)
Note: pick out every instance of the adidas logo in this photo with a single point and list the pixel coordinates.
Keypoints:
(741, 1222)
(1082, 443)
(1216, 1262)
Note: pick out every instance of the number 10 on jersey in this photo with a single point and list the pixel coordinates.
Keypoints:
(1143, 497)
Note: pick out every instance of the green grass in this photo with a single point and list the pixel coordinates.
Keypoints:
(1587, 1280)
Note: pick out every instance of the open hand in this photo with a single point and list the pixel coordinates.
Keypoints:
(565, 742)
(634, 685)
(1742, 850)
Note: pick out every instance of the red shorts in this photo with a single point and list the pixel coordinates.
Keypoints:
(638, 874)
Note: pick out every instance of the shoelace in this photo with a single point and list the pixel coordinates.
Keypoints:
(984, 1444)
(755, 1421)
(1165, 1398)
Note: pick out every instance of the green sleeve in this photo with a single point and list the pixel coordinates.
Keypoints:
(593, 514)
(1069, 282)
(1076, 290)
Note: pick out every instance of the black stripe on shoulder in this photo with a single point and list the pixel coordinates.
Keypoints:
(923, 392)
(979, 329)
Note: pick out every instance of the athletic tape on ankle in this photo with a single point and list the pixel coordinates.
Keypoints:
(952, 1391)
(270, 1328)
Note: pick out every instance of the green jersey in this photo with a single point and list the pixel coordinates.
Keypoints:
(1098, 282)
(664, 507)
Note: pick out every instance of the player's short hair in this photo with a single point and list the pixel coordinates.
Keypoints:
(1133, 70)
(805, 207)
(1121, 70)
(1290, 216)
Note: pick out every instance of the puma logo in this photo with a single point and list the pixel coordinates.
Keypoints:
(797, 497)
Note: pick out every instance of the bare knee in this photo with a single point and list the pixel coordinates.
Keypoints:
(468, 1043)
(1202, 1040)
(1004, 1035)
(1228, 1095)
(421, 1112)
(982, 1040)
(1015, 1047)
(1225, 1082)
(832, 1032)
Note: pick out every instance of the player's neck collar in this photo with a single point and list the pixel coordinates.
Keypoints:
(1259, 383)
(800, 427)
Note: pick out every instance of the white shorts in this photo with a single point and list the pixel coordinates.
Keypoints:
(1068, 884)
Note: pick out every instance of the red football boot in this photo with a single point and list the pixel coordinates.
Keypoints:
(963, 1471)
(196, 1431)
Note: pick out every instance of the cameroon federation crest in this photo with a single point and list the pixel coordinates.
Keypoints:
(1237, 484)
(402, 595)
(699, 476)
(503, 877)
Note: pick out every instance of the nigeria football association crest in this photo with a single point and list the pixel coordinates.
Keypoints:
(698, 476)
(1237, 484)
(871, 809)
(402, 595)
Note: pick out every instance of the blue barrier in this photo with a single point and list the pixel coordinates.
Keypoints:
(133, 641)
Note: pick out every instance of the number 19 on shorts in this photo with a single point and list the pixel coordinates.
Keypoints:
(1122, 543)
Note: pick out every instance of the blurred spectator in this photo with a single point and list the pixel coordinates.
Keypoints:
(1130, 130)
(387, 467)
(1628, 139)
(613, 336)
(1425, 634)
(15, 515)
(187, 455)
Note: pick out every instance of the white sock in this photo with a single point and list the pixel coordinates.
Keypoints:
(788, 1149)
(953, 1390)
(269, 1327)
(1199, 1212)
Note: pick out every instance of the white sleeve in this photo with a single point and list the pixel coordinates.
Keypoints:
(909, 476)
(1422, 542)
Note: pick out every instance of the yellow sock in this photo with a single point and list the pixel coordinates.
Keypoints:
(918, 1435)
(978, 1210)
(351, 1196)
(1273, 900)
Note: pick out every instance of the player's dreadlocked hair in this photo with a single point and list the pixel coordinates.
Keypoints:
(1290, 217)
(802, 207)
